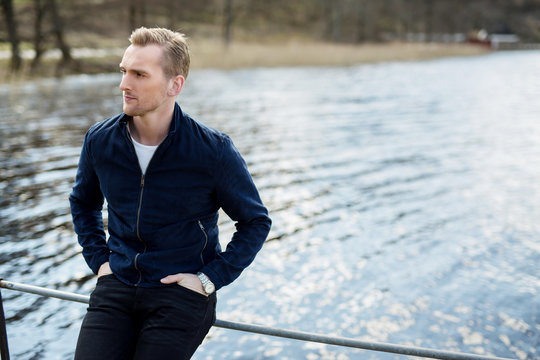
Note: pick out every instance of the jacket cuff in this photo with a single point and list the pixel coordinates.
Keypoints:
(97, 261)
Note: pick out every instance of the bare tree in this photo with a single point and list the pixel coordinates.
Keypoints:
(39, 13)
(429, 4)
(137, 14)
(9, 14)
(366, 23)
(228, 19)
(337, 20)
(332, 13)
(172, 9)
(142, 12)
(58, 30)
(132, 10)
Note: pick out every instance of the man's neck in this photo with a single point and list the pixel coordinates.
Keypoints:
(151, 129)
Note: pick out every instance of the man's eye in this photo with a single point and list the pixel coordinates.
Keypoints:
(140, 75)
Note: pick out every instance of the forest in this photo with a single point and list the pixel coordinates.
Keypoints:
(41, 25)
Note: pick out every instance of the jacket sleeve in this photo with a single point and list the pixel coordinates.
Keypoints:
(86, 201)
(239, 198)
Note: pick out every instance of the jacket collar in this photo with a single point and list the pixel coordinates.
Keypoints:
(178, 115)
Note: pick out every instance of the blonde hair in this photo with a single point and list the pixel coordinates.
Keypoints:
(175, 49)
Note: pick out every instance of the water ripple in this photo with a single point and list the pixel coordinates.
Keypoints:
(404, 199)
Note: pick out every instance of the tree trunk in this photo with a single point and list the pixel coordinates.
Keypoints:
(366, 24)
(228, 18)
(172, 9)
(142, 7)
(58, 30)
(9, 13)
(137, 14)
(361, 35)
(132, 15)
(39, 11)
(429, 20)
(337, 20)
(333, 16)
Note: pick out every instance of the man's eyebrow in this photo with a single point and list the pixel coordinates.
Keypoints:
(133, 70)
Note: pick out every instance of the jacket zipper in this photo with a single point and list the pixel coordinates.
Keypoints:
(205, 240)
(140, 207)
(138, 233)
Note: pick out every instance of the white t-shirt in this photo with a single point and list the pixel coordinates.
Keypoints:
(144, 154)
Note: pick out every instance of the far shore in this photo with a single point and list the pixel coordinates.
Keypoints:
(212, 54)
(208, 54)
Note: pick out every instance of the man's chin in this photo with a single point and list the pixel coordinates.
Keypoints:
(133, 111)
(128, 111)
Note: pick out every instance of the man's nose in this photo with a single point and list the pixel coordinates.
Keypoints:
(124, 84)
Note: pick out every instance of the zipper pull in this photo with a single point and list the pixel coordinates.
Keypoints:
(142, 181)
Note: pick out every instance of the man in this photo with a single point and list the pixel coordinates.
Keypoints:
(164, 177)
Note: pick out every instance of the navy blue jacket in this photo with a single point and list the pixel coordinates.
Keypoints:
(165, 222)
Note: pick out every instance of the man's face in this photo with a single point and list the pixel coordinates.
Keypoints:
(144, 85)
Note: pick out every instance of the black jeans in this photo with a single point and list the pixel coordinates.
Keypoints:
(130, 323)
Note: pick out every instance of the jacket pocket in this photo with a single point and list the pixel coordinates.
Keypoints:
(205, 240)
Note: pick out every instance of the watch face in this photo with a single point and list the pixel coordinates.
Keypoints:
(209, 288)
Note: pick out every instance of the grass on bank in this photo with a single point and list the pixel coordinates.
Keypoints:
(212, 54)
(207, 53)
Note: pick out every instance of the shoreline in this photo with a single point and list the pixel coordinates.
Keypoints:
(213, 54)
(291, 54)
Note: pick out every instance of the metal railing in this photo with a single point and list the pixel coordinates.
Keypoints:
(258, 329)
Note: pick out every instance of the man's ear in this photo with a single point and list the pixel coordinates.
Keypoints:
(176, 85)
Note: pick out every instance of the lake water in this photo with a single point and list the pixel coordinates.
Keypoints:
(405, 200)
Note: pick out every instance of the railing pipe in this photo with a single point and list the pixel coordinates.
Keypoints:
(289, 334)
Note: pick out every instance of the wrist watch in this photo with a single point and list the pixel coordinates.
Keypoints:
(208, 286)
